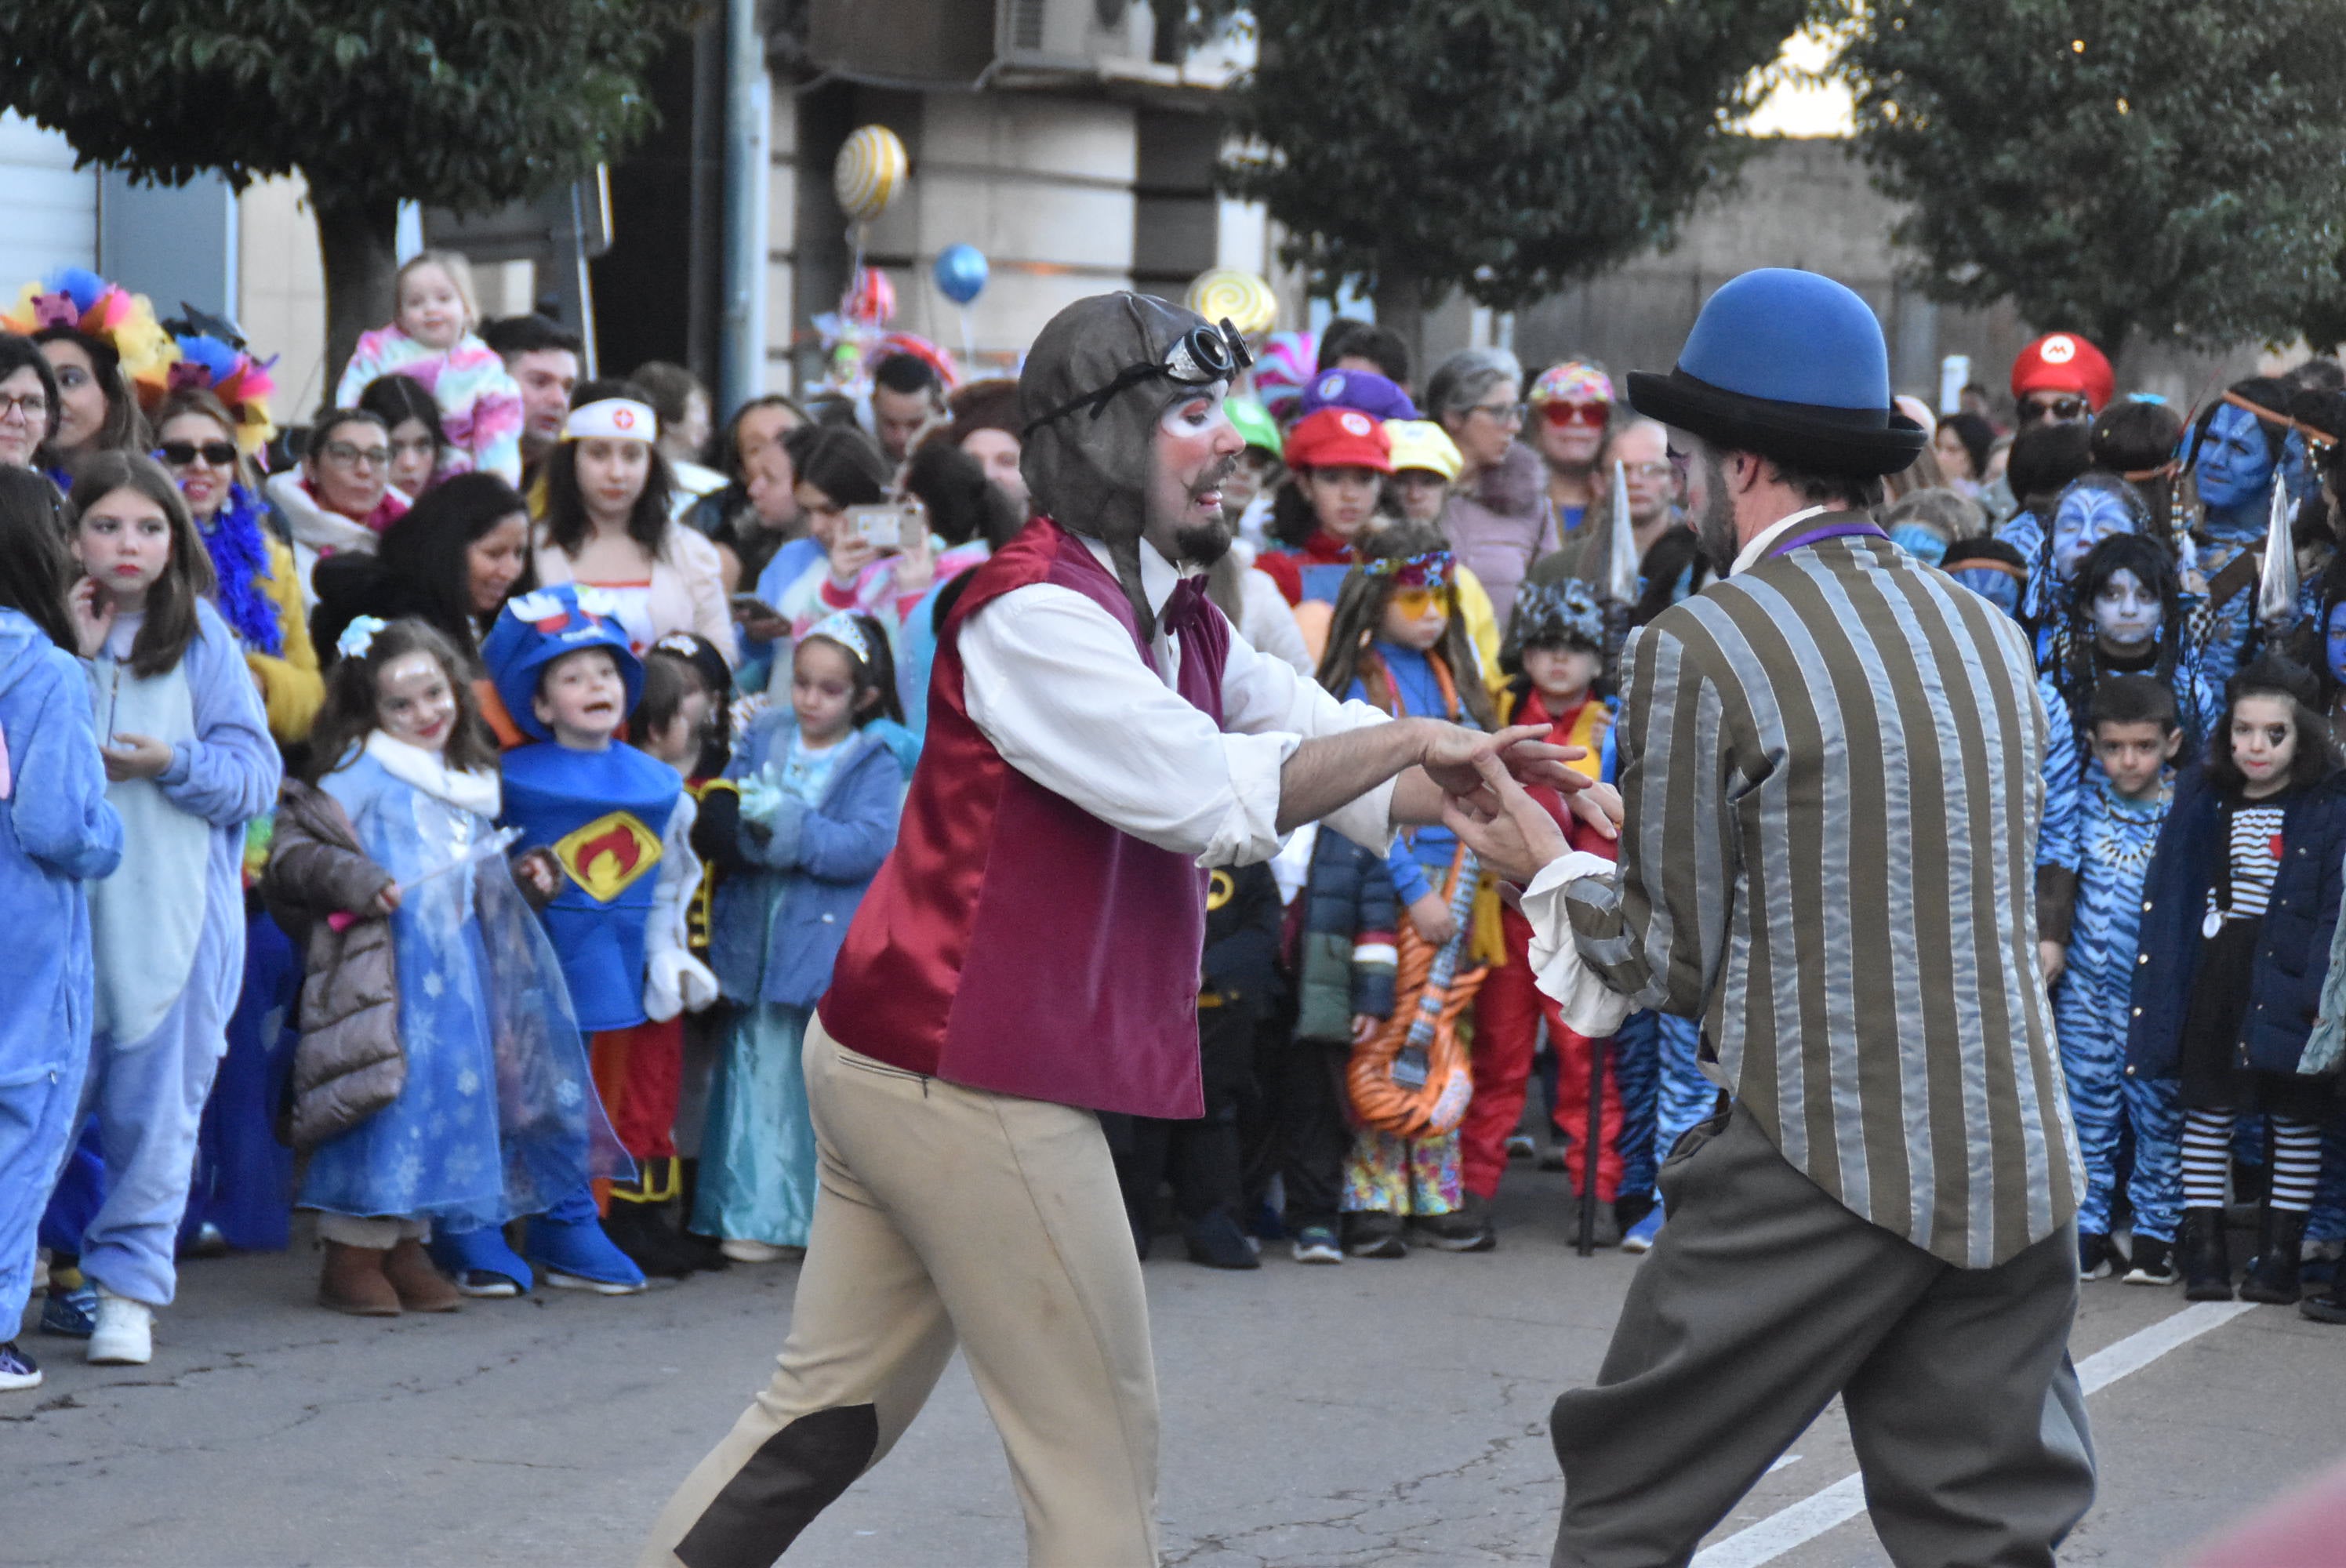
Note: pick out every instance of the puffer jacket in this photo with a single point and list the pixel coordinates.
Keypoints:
(1346, 965)
(349, 1064)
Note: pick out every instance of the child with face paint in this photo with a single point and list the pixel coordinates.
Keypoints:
(1397, 643)
(818, 793)
(440, 1080)
(2128, 615)
(2233, 455)
(2088, 510)
(2239, 906)
(2135, 737)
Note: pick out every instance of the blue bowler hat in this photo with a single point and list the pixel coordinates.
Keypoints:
(1789, 365)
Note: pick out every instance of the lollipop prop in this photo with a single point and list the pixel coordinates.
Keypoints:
(1243, 299)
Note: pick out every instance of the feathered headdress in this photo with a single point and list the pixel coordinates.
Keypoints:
(228, 371)
(79, 299)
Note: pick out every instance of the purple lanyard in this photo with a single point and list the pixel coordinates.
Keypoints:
(1829, 531)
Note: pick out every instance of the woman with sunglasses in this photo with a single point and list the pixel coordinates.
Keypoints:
(259, 591)
(1571, 413)
(1498, 520)
(341, 497)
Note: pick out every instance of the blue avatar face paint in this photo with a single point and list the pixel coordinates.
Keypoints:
(1999, 588)
(2333, 642)
(2084, 519)
(2234, 464)
(1919, 542)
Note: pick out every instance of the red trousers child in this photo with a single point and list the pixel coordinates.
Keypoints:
(1507, 1034)
(639, 1073)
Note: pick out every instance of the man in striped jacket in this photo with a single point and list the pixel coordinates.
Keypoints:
(1830, 767)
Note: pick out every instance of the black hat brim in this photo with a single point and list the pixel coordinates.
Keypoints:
(1813, 436)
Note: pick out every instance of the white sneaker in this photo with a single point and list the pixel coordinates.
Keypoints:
(125, 1335)
(742, 1249)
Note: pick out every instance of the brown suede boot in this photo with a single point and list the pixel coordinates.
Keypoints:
(421, 1287)
(353, 1282)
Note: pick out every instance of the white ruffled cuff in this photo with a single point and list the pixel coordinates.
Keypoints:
(1589, 1005)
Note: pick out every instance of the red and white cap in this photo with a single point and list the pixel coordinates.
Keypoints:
(612, 419)
(1339, 438)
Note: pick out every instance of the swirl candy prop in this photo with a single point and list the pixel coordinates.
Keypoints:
(1413, 1079)
(1245, 300)
(1282, 369)
(870, 172)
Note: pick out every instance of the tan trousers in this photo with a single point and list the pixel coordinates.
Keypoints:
(947, 1215)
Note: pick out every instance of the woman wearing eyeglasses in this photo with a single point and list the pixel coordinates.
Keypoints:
(1499, 521)
(341, 497)
(260, 590)
(28, 403)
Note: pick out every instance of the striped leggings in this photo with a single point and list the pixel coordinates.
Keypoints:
(2088, 1015)
(2207, 1150)
(1663, 1092)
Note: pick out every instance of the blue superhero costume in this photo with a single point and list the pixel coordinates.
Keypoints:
(602, 815)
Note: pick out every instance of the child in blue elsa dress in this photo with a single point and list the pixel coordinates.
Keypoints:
(465, 1100)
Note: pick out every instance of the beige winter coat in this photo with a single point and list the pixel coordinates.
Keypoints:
(349, 1064)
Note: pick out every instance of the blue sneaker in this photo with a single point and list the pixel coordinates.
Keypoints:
(577, 1256)
(1639, 1237)
(17, 1369)
(1318, 1244)
(70, 1314)
(480, 1262)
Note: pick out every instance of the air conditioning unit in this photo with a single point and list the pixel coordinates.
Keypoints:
(909, 41)
(1070, 35)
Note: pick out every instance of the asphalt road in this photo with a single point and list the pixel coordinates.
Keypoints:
(1384, 1414)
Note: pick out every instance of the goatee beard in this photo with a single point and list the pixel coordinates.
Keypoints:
(1203, 544)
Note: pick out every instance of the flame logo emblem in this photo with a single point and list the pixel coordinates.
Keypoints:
(607, 855)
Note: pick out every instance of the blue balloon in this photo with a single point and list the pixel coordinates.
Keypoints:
(961, 273)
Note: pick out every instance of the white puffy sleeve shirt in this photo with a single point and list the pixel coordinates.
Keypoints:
(1051, 680)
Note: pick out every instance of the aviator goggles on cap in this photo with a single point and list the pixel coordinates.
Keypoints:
(1197, 358)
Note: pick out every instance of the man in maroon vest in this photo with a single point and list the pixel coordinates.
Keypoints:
(1028, 957)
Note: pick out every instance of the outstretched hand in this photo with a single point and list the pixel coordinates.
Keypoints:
(1511, 833)
(1455, 759)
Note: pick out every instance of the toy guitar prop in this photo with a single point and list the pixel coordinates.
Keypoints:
(1412, 1078)
(496, 843)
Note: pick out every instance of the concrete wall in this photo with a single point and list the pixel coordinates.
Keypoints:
(1807, 203)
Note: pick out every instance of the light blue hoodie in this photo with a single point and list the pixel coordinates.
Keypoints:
(56, 832)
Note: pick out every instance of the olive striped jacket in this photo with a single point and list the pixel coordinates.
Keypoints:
(1831, 764)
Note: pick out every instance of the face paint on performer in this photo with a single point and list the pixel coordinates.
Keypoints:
(2234, 464)
(1194, 449)
(2085, 517)
(2127, 615)
(2333, 642)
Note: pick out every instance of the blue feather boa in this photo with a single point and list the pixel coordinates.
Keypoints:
(239, 553)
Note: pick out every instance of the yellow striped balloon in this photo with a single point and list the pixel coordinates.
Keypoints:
(870, 172)
(1241, 298)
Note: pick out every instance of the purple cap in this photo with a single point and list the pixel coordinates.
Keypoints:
(1365, 390)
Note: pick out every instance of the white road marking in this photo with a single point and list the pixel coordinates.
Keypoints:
(1844, 1499)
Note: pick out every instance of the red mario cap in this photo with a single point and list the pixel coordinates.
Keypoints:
(2063, 363)
(1339, 438)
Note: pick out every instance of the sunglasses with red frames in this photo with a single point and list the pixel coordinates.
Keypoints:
(1565, 415)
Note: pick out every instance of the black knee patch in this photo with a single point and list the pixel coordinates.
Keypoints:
(794, 1475)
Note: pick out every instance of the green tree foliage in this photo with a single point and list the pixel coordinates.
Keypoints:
(466, 104)
(2171, 167)
(1506, 147)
